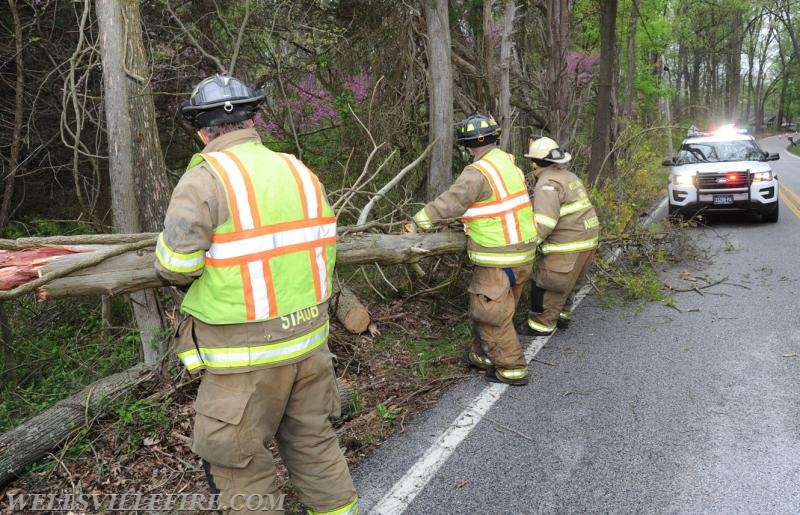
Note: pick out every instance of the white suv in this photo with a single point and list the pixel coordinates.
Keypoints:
(722, 171)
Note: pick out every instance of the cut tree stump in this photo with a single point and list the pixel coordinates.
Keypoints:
(350, 311)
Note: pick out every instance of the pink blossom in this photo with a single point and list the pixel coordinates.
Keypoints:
(579, 66)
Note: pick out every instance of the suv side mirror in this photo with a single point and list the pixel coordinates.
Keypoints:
(773, 157)
(668, 162)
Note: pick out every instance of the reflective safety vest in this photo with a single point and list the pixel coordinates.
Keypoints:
(272, 257)
(506, 217)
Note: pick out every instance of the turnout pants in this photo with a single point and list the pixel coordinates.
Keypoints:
(556, 280)
(493, 297)
(237, 417)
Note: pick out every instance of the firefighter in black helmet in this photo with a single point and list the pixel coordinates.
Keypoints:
(491, 199)
(256, 322)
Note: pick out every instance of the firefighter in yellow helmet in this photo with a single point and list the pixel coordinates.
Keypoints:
(253, 233)
(491, 199)
(568, 230)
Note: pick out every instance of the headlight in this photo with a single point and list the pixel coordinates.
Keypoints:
(762, 176)
(683, 179)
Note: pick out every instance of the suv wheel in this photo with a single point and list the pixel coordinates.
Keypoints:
(770, 216)
(674, 212)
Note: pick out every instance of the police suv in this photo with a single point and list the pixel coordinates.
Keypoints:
(722, 171)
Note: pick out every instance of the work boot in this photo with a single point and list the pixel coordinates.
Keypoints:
(564, 319)
(512, 377)
(476, 360)
(524, 329)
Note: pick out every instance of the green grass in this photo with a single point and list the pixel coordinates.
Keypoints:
(60, 347)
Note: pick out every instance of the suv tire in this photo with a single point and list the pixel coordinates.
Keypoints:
(770, 216)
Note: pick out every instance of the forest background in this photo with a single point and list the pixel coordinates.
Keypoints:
(359, 90)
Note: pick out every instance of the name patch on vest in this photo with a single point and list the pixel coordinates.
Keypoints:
(298, 317)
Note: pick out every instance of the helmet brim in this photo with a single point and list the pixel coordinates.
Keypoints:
(566, 159)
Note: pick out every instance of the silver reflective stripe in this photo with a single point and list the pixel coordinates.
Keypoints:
(544, 220)
(177, 262)
(497, 209)
(237, 357)
(574, 207)
(536, 326)
(485, 258)
(423, 220)
(574, 246)
(516, 373)
(271, 241)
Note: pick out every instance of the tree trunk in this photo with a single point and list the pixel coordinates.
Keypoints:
(149, 169)
(6, 335)
(489, 86)
(506, 114)
(121, 160)
(602, 119)
(37, 436)
(440, 90)
(627, 104)
(134, 270)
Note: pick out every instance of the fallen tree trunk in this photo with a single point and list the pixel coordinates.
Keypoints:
(35, 438)
(133, 270)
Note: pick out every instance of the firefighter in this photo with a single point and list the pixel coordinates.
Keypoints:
(568, 228)
(252, 231)
(491, 199)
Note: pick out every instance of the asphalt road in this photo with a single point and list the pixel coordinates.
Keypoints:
(639, 410)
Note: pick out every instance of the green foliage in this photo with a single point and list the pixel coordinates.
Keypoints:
(387, 413)
(431, 351)
(139, 419)
(44, 228)
(59, 348)
(355, 402)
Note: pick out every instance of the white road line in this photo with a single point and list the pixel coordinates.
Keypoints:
(406, 489)
(411, 484)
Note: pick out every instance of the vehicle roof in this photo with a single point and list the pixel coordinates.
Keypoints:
(716, 139)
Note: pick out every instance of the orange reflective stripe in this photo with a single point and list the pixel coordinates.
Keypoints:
(223, 174)
(249, 298)
(267, 254)
(305, 195)
(488, 176)
(499, 175)
(298, 181)
(251, 191)
(312, 255)
(272, 228)
(273, 304)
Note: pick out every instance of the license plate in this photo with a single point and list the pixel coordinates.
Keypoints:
(723, 200)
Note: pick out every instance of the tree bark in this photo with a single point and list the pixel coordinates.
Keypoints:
(440, 90)
(37, 436)
(152, 191)
(134, 270)
(602, 120)
(9, 359)
(504, 92)
(121, 160)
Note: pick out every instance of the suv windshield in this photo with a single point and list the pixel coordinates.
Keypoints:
(718, 151)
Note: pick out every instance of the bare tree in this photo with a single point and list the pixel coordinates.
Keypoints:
(602, 119)
(440, 90)
(122, 150)
(505, 113)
